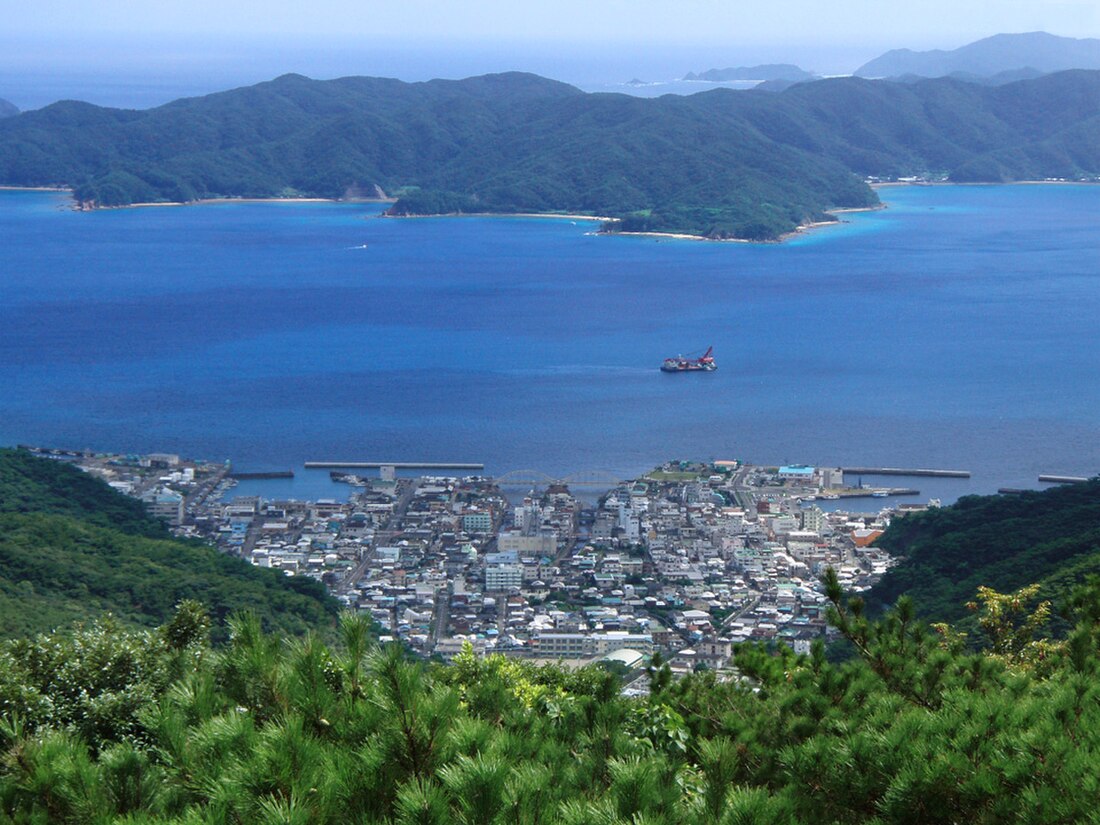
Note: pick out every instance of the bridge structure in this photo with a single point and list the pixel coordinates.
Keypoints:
(604, 479)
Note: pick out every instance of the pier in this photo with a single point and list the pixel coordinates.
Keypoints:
(901, 471)
(869, 492)
(397, 465)
(1050, 479)
(255, 476)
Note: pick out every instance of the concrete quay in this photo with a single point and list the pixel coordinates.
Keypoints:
(397, 465)
(901, 471)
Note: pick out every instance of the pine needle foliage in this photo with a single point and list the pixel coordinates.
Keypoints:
(105, 724)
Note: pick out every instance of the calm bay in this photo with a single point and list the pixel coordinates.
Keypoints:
(958, 328)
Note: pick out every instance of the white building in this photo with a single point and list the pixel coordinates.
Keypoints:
(503, 576)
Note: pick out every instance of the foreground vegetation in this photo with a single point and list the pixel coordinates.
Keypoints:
(102, 725)
(722, 164)
(72, 548)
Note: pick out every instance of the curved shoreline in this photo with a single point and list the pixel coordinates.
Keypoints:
(209, 201)
(686, 236)
(796, 232)
(505, 215)
(898, 183)
(6, 188)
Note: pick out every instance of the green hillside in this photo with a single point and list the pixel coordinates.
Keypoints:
(71, 548)
(29, 484)
(1006, 542)
(746, 164)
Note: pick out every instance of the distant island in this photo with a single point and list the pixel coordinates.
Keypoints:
(7, 108)
(719, 164)
(769, 71)
(1033, 52)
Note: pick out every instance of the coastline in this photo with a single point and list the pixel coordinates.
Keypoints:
(809, 227)
(505, 215)
(7, 188)
(678, 236)
(794, 233)
(894, 184)
(208, 201)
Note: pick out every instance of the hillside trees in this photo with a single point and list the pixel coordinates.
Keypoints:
(103, 723)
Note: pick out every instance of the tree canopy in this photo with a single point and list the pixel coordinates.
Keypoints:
(103, 724)
(72, 548)
(1050, 538)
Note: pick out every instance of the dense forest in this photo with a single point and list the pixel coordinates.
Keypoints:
(72, 548)
(1050, 538)
(102, 724)
(746, 164)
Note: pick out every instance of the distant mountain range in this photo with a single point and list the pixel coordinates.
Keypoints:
(8, 109)
(722, 163)
(1036, 52)
(999, 79)
(770, 71)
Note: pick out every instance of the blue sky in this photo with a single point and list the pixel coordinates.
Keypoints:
(126, 52)
(927, 22)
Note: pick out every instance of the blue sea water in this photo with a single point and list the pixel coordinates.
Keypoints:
(958, 328)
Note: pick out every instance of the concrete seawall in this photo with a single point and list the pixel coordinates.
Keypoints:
(397, 465)
(901, 471)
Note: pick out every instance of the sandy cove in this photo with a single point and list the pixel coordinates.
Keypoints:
(507, 215)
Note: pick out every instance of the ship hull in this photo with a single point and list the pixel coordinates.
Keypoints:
(692, 368)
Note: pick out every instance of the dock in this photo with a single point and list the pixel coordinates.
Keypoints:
(1052, 479)
(901, 471)
(397, 465)
(869, 492)
(254, 476)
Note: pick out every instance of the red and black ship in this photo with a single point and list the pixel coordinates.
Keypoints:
(704, 363)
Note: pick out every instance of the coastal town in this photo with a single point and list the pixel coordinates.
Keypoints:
(687, 560)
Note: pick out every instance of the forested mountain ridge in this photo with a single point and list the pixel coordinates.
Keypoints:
(7, 108)
(1049, 537)
(72, 548)
(721, 163)
(990, 56)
